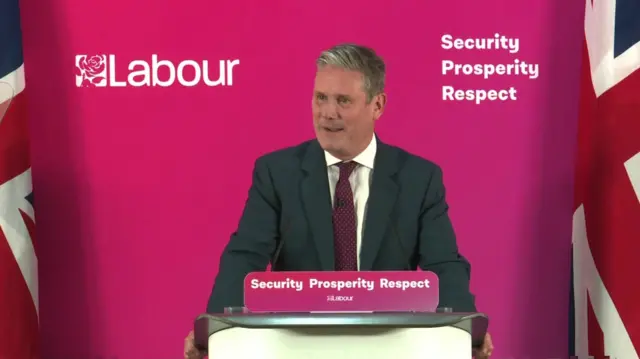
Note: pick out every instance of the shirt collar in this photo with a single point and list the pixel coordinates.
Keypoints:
(365, 158)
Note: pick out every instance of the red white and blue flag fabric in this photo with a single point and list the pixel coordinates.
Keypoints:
(18, 261)
(606, 221)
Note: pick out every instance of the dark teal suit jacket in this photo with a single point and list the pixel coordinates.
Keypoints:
(406, 224)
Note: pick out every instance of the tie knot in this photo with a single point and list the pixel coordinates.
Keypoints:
(346, 168)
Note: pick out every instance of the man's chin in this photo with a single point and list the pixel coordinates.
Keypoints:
(328, 145)
(334, 148)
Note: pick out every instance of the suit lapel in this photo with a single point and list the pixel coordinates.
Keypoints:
(382, 199)
(317, 203)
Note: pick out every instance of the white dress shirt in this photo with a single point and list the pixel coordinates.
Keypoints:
(360, 181)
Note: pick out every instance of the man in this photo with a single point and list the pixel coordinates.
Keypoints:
(345, 200)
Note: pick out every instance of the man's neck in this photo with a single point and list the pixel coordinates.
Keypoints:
(350, 157)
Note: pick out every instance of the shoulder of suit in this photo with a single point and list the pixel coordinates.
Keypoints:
(286, 153)
(411, 161)
(406, 160)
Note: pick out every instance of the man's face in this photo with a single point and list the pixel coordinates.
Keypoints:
(342, 117)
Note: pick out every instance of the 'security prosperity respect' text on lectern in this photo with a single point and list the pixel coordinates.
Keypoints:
(351, 315)
(340, 335)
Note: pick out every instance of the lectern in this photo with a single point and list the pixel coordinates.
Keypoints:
(340, 335)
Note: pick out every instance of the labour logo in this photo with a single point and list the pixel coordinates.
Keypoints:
(91, 71)
(103, 71)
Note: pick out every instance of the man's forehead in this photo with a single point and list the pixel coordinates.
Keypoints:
(338, 74)
(338, 81)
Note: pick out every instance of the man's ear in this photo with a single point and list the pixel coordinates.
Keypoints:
(379, 103)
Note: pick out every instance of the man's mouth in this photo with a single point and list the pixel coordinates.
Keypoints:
(329, 129)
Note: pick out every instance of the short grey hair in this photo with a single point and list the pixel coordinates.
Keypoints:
(359, 58)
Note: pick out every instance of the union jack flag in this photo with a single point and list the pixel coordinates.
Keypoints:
(18, 262)
(606, 221)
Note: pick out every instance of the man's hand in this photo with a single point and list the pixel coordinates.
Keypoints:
(484, 352)
(190, 350)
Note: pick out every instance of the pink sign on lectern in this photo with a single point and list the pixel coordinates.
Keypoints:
(341, 291)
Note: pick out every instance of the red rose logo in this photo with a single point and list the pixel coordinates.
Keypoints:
(91, 70)
(95, 65)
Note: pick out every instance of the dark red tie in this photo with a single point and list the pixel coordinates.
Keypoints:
(344, 221)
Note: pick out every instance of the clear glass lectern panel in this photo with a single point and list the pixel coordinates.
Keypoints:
(235, 310)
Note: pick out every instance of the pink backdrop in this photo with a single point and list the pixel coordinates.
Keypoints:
(134, 204)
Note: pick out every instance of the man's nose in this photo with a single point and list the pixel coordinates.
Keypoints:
(329, 111)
